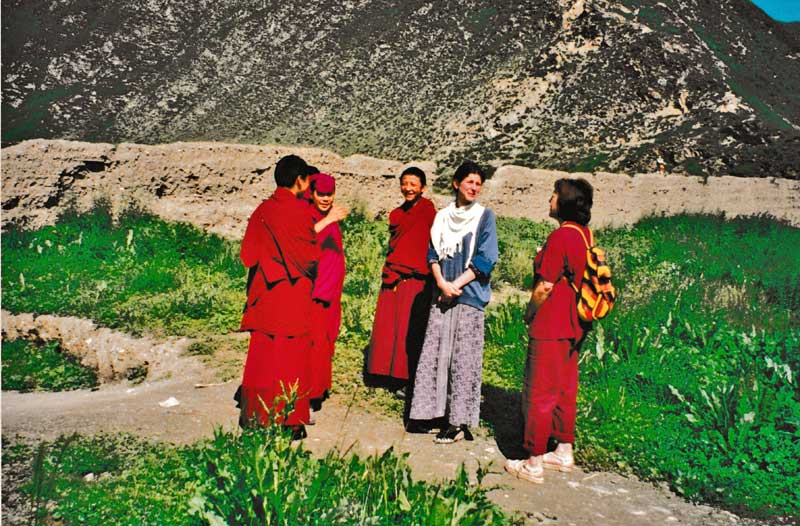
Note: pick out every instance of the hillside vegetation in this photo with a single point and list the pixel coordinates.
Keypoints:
(692, 380)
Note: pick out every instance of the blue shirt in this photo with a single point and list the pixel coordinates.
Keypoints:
(477, 292)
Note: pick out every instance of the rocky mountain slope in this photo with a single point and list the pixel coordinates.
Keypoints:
(712, 86)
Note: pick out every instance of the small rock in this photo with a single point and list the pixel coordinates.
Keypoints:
(170, 402)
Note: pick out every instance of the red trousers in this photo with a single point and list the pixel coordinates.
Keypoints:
(325, 331)
(549, 393)
(274, 364)
(398, 329)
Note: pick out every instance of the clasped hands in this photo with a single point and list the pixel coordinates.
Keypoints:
(449, 291)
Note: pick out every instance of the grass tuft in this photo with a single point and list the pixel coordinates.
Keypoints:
(253, 477)
(29, 366)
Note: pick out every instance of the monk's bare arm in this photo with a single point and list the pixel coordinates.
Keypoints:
(337, 213)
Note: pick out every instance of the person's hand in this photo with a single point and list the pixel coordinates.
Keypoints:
(337, 213)
(449, 291)
(541, 292)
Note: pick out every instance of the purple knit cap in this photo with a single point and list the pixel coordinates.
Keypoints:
(323, 183)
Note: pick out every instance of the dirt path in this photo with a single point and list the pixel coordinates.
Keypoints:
(578, 498)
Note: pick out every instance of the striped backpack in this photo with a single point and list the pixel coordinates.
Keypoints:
(596, 295)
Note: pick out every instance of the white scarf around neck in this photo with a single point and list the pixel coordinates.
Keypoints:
(451, 226)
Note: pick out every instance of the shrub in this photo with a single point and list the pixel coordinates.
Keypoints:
(258, 478)
(31, 367)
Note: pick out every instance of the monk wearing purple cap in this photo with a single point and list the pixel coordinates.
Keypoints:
(327, 292)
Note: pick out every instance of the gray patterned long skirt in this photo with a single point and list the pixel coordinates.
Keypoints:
(448, 381)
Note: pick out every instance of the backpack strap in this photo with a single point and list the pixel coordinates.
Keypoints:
(590, 242)
(588, 246)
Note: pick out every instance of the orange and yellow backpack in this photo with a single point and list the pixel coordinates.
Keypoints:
(596, 295)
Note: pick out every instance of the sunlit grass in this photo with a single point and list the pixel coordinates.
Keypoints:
(692, 379)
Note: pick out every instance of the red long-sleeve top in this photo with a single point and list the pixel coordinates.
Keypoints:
(280, 248)
(330, 273)
(409, 235)
(563, 255)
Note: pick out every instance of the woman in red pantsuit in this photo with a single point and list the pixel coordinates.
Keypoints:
(555, 334)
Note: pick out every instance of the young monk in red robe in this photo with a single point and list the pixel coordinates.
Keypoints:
(280, 249)
(327, 292)
(404, 300)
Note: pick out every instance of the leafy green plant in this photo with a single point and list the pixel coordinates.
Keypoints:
(256, 477)
(31, 367)
(365, 243)
(518, 241)
(259, 478)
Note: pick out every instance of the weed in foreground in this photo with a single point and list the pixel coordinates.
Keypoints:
(255, 477)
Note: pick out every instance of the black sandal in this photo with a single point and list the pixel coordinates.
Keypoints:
(453, 434)
(299, 432)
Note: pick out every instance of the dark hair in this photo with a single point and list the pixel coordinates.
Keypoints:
(288, 169)
(416, 172)
(466, 168)
(574, 200)
(313, 170)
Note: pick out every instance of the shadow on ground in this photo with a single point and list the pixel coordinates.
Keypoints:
(502, 410)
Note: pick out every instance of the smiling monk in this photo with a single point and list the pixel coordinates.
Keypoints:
(327, 292)
(404, 300)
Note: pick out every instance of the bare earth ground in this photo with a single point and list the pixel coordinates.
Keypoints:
(577, 498)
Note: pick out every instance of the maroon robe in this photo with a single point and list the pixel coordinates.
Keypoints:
(280, 248)
(404, 299)
(327, 295)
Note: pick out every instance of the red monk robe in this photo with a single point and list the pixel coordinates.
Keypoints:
(403, 302)
(280, 248)
(327, 295)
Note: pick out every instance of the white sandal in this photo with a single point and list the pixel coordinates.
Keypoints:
(522, 470)
(553, 460)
